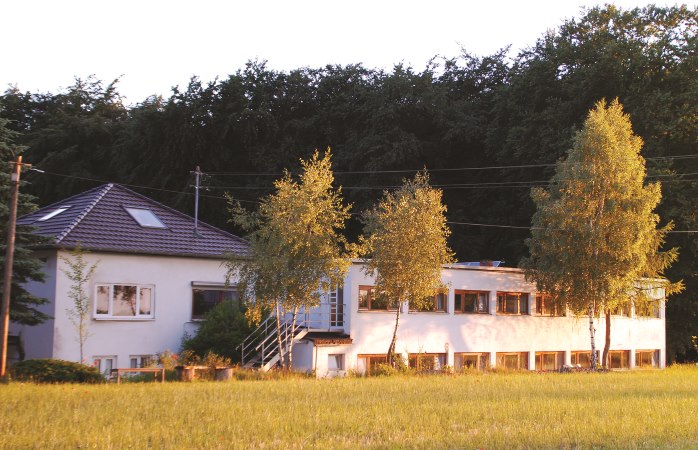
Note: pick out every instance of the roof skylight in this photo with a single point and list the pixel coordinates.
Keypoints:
(53, 213)
(145, 218)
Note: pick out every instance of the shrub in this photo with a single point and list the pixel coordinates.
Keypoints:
(222, 330)
(55, 371)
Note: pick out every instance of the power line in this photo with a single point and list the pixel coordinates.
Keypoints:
(449, 169)
(535, 228)
(135, 186)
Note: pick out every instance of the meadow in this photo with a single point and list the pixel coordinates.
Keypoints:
(638, 409)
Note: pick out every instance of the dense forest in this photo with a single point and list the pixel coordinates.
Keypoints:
(488, 128)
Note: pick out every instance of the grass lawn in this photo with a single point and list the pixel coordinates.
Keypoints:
(646, 409)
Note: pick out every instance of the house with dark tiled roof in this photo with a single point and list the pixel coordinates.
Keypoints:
(157, 273)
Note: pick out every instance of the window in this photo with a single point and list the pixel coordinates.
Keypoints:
(622, 310)
(427, 362)
(582, 358)
(647, 309)
(472, 302)
(619, 359)
(546, 305)
(367, 364)
(436, 303)
(335, 362)
(53, 213)
(105, 364)
(512, 303)
(145, 218)
(647, 358)
(476, 361)
(549, 360)
(140, 361)
(205, 299)
(513, 360)
(369, 300)
(124, 301)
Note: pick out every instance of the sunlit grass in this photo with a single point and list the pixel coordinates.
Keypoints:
(646, 409)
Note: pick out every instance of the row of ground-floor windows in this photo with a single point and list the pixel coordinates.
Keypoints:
(428, 362)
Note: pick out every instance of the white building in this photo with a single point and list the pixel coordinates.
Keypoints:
(155, 277)
(489, 316)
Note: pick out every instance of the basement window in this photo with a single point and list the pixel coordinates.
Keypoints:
(145, 218)
(53, 213)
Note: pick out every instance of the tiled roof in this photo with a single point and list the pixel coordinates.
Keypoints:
(97, 220)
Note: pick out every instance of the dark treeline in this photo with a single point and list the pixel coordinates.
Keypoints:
(461, 112)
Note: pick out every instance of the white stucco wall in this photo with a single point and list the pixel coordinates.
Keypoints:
(432, 332)
(172, 279)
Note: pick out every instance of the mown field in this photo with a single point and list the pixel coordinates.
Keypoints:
(646, 409)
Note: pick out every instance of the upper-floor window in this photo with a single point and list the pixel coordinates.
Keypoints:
(649, 309)
(145, 218)
(512, 303)
(546, 305)
(204, 299)
(124, 301)
(371, 300)
(472, 302)
(622, 310)
(436, 303)
(53, 213)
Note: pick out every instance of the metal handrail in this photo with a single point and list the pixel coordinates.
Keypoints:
(263, 340)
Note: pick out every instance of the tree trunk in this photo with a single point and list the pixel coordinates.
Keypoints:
(391, 349)
(592, 332)
(607, 344)
(292, 338)
(81, 336)
(279, 340)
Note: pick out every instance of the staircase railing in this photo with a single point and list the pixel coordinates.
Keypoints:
(262, 346)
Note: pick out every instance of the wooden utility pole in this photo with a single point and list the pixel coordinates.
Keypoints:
(9, 261)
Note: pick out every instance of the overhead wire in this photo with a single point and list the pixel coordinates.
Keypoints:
(135, 186)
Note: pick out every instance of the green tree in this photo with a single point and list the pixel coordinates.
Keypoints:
(79, 272)
(594, 235)
(23, 305)
(405, 240)
(222, 330)
(296, 251)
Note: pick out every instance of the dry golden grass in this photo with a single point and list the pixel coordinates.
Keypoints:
(646, 409)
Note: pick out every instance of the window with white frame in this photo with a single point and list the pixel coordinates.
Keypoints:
(105, 364)
(335, 362)
(140, 361)
(124, 301)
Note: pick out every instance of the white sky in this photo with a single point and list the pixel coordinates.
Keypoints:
(156, 44)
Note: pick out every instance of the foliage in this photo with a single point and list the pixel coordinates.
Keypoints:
(462, 411)
(405, 239)
(55, 371)
(221, 331)
(26, 267)
(296, 250)
(167, 360)
(79, 272)
(595, 234)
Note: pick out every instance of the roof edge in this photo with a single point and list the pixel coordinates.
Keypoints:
(106, 188)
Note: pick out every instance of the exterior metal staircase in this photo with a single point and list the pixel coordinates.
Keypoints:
(260, 350)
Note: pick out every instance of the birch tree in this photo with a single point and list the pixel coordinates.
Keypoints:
(296, 249)
(79, 272)
(595, 241)
(405, 240)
